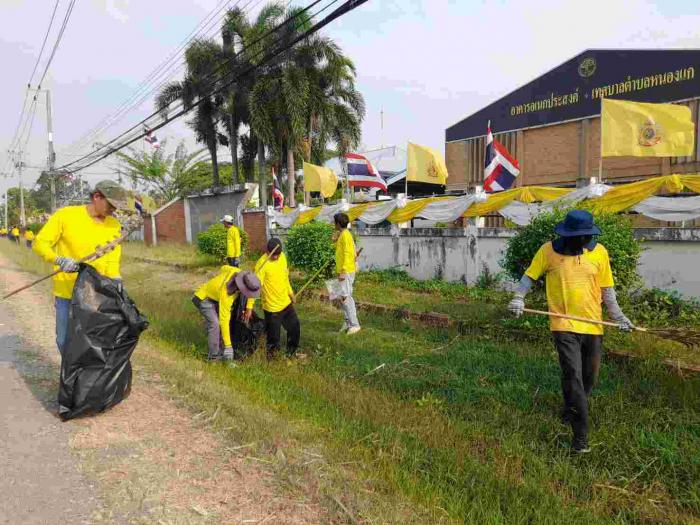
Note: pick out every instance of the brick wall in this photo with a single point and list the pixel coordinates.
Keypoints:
(550, 154)
(255, 225)
(170, 224)
(148, 231)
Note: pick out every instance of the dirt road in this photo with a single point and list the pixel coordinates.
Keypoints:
(145, 461)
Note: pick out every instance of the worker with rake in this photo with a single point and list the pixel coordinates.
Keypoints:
(75, 232)
(578, 279)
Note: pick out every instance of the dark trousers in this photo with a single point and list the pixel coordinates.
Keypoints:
(288, 319)
(579, 359)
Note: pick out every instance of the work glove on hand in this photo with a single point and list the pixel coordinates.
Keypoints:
(228, 353)
(625, 324)
(66, 264)
(517, 306)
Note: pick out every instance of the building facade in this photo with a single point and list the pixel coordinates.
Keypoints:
(552, 124)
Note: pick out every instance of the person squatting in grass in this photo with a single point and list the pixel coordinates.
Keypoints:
(75, 232)
(233, 242)
(578, 277)
(215, 300)
(345, 268)
(277, 300)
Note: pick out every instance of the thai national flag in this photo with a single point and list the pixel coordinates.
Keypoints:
(152, 139)
(501, 168)
(362, 174)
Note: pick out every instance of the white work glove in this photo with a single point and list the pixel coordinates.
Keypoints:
(228, 353)
(517, 306)
(625, 324)
(66, 264)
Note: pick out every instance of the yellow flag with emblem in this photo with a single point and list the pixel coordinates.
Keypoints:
(425, 165)
(640, 129)
(318, 178)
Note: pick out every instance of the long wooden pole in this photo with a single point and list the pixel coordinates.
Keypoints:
(576, 318)
(316, 274)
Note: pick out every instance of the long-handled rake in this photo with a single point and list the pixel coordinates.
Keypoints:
(689, 338)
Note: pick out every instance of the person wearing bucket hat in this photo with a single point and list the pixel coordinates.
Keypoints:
(215, 300)
(578, 278)
(233, 241)
(73, 232)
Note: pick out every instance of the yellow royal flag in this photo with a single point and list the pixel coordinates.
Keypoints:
(318, 178)
(639, 129)
(425, 165)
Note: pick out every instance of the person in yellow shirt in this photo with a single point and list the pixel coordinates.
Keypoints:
(216, 300)
(578, 277)
(345, 268)
(3, 232)
(29, 237)
(15, 234)
(277, 300)
(233, 242)
(75, 232)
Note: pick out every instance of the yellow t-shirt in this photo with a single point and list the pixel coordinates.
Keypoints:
(345, 253)
(276, 288)
(15, 232)
(233, 242)
(29, 235)
(215, 290)
(72, 232)
(574, 285)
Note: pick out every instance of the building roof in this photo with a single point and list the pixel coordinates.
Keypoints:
(573, 90)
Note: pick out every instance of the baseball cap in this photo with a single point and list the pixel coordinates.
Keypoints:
(228, 219)
(114, 193)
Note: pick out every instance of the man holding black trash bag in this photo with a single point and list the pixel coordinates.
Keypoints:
(75, 232)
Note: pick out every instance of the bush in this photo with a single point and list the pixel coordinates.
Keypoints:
(34, 227)
(213, 241)
(655, 307)
(310, 246)
(616, 236)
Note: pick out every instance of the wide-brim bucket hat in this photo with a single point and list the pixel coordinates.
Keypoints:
(577, 223)
(248, 284)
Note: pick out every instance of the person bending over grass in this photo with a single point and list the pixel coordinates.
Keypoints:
(215, 300)
(277, 300)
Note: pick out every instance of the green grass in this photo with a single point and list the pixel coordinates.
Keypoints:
(173, 253)
(430, 427)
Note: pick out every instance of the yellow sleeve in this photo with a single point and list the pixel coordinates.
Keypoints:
(233, 242)
(260, 272)
(48, 237)
(538, 266)
(225, 304)
(605, 276)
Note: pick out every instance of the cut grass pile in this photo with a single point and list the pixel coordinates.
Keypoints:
(465, 427)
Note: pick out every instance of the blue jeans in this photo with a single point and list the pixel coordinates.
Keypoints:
(62, 311)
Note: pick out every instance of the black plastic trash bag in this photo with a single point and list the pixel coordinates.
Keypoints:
(244, 339)
(103, 328)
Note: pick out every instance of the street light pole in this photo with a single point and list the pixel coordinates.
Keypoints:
(22, 216)
(52, 155)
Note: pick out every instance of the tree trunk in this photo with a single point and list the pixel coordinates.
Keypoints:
(215, 181)
(291, 180)
(233, 143)
(262, 174)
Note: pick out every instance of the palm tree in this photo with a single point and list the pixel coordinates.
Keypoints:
(203, 59)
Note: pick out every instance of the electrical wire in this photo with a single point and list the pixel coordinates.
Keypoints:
(161, 73)
(43, 45)
(66, 18)
(152, 126)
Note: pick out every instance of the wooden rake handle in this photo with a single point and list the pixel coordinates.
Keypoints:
(576, 318)
(307, 283)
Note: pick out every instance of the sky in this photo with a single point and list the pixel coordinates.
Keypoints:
(425, 64)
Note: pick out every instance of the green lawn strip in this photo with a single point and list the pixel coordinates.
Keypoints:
(634, 475)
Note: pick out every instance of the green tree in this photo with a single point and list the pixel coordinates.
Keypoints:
(167, 176)
(203, 58)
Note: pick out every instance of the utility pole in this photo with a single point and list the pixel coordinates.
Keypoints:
(22, 216)
(52, 154)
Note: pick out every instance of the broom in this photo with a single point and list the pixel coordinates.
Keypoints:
(688, 338)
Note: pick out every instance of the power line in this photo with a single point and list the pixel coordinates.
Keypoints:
(66, 18)
(161, 74)
(43, 45)
(221, 66)
(348, 6)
